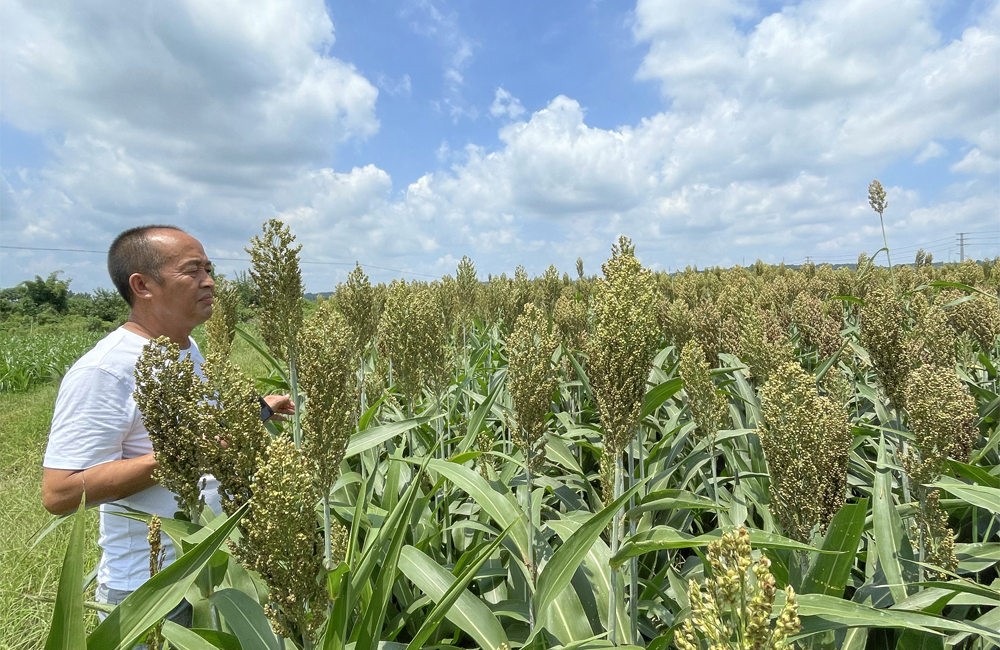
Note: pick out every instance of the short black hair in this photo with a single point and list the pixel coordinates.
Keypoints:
(133, 252)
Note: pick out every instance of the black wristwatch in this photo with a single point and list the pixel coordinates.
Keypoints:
(265, 410)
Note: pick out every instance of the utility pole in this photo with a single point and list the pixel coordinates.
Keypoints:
(961, 246)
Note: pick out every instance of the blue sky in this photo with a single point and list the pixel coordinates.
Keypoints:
(407, 134)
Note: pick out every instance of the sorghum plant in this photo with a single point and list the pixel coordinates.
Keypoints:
(884, 337)
(220, 330)
(275, 271)
(327, 354)
(733, 611)
(531, 379)
(708, 407)
(942, 417)
(620, 352)
(281, 541)
(168, 393)
(806, 440)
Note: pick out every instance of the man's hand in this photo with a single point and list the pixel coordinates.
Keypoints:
(282, 405)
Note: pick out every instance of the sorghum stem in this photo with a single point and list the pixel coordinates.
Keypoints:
(613, 599)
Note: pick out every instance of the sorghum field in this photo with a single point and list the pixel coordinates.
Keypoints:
(758, 457)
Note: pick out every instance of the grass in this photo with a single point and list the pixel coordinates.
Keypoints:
(30, 575)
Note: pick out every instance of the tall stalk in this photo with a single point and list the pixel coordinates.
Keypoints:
(613, 594)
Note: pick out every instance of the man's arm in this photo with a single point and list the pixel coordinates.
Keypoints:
(62, 489)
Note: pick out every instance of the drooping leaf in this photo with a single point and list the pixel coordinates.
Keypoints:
(247, 619)
(157, 596)
(829, 573)
(469, 613)
(67, 630)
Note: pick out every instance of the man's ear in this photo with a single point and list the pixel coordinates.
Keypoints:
(140, 286)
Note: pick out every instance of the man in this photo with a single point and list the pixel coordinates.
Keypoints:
(98, 443)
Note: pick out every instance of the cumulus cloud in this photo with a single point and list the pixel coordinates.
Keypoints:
(236, 91)
(506, 105)
(771, 128)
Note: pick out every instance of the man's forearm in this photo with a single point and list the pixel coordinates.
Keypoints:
(63, 489)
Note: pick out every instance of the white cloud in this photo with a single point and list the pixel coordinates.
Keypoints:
(232, 90)
(932, 150)
(771, 129)
(977, 162)
(429, 18)
(506, 105)
(401, 87)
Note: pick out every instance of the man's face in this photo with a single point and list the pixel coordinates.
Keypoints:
(186, 290)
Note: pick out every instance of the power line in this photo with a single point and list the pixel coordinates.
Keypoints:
(224, 259)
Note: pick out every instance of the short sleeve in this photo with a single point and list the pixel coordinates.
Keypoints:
(91, 419)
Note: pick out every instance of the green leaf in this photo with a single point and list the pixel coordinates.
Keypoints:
(221, 640)
(469, 613)
(829, 574)
(67, 629)
(910, 640)
(661, 538)
(477, 419)
(597, 568)
(673, 500)
(452, 595)
(558, 572)
(182, 638)
(890, 537)
(158, 595)
(374, 436)
(369, 629)
(275, 365)
(980, 496)
(496, 505)
(659, 394)
(246, 618)
(820, 612)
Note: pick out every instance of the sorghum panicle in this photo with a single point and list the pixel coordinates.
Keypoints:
(468, 290)
(621, 349)
(229, 421)
(275, 270)
(220, 330)
(883, 336)
(942, 416)
(327, 376)
(570, 320)
(709, 408)
(168, 394)
(806, 440)
(531, 379)
(357, 302)
(735, 606)
(282, 542)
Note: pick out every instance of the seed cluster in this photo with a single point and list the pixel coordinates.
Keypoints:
(327, 376)
(220, 330)
(620, 349)
(708, 407)
(531, 379)
(806, 440)
(282, 542)
(275, 271)
(165, 386)
(734, 609)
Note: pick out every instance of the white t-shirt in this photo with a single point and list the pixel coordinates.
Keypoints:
(96, 421)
